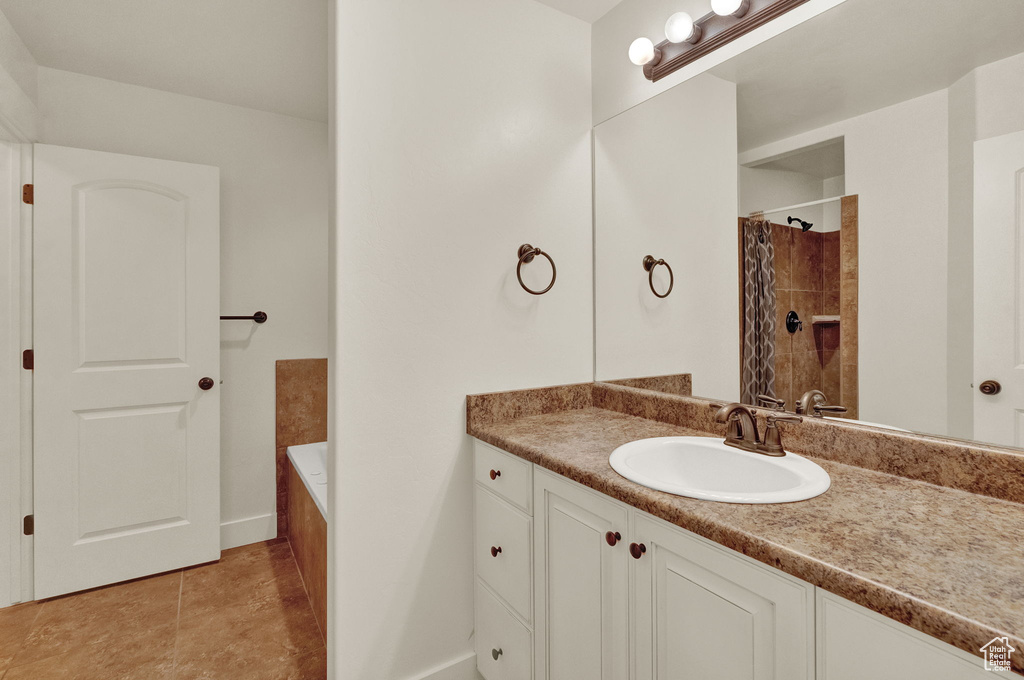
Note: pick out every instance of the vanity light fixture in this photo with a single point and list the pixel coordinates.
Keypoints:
(643, 51)
(730, 8)
(688, 40)
(680, 27)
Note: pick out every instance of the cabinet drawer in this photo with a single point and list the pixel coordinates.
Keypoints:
(504, 646)
(513, 477)
(504, 558)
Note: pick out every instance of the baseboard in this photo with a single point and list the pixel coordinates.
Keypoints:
(248, 530)
(462, 668)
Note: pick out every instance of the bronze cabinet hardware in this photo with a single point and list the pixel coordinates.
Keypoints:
(613, 537)
(649, 264)
(772, 445)
(637, 550)
(495, 653)
(526, 255)
(495, 474)
(206, 383)
(495, 551)
(990, 388)
(258, 317)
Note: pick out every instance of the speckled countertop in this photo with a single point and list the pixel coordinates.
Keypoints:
(944, 561)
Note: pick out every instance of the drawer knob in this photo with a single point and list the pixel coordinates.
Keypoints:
(613, 537)
(495, 551)
(495, 653)
(495, 474)
(637, 550)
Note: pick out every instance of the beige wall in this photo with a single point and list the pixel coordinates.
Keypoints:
(273, 248)
(463, 131)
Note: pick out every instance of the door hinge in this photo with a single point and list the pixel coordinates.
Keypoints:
(28, 360)
(28, 193)
(30, 525)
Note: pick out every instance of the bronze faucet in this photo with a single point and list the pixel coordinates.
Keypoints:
(816, 404)
(741, 430)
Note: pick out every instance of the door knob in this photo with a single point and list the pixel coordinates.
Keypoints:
(990, 388)
(206, 383)
(495, 653)
(637, 550)
(612, 537)
(495, 550)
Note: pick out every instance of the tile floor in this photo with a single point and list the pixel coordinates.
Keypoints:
(246, 616)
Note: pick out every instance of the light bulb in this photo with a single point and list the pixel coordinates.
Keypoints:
(724, 8)
(641, 51)
(680, 28)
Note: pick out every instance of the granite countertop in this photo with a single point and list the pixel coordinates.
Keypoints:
(946, 562)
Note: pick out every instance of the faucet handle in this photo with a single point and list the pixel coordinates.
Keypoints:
(771, 402)
(824, 408)
(772, 445)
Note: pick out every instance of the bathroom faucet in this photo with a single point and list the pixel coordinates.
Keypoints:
(816, 404)
(771, 402)
(741, 431)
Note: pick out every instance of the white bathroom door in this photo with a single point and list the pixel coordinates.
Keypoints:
(126, 255)
(999, 288)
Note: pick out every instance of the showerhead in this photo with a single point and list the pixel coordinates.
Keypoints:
(806, 226)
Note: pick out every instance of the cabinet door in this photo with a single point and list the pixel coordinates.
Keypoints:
(705, 614)
(582, 583)
(857, 644)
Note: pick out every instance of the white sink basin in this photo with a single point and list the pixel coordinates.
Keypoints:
(705, 468)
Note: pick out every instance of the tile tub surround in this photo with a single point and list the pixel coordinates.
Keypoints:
(941, 560)
(307, 532)
(301, 418)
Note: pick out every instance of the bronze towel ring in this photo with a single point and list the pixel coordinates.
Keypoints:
(526, 255)
(649, 264)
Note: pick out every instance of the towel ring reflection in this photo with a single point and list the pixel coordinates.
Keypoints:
(526, 255)
(649, 264)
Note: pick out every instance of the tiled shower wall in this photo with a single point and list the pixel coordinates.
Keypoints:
(808, 273)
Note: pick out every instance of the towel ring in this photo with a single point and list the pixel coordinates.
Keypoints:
(526, 255)
(649, 264)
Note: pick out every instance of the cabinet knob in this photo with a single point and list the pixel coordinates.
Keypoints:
(990, 388)
(613, 537)
(495, 551)
(495, 474)
(206, 383)
(637, 550)
(495, 653)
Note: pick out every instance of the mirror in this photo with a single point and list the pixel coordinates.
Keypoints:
(884, 143)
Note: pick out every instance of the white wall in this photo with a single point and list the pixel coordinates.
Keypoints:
(17, 86)
(273, 245)
(619, 85)
(467, 135)
(769, 188)
(897, 162)
(666, 185)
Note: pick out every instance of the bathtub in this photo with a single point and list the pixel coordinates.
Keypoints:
(307, 522)
(310, 462)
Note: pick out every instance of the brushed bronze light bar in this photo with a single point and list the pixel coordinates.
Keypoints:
(715, 32)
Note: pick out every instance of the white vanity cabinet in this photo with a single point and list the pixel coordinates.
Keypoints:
(703, 611)
(582, 582)
(585, 587)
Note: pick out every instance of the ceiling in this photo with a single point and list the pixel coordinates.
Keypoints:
(588, 10)
(821, 161)
(269, 55)
(864, 55)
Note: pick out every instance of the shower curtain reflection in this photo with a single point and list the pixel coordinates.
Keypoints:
(759, 314)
